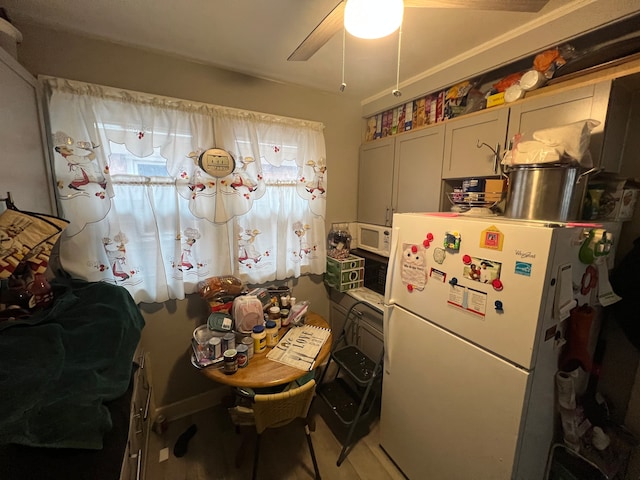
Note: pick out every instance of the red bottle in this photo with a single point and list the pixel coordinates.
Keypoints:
(41, 290)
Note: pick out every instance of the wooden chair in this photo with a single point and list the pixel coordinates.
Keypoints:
(276, 410)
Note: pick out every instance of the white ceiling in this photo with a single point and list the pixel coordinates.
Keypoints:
(256, 37)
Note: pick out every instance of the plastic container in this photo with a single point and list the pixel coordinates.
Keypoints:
(271, 333)
(259, 339)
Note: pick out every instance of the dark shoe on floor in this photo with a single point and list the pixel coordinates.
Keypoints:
(180, 448)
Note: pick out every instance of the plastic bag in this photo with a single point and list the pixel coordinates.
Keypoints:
(247, 313)
(298, 313)
(574, 138)
(214, 287)
(562, 144)
(531, 152)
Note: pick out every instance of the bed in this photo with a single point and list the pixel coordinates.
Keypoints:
(66, 384)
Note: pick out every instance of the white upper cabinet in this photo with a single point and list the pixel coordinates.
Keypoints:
(462, 156)
(375, 181)
(400, 174)
(25, 167)
(561, 108)
(418, 171)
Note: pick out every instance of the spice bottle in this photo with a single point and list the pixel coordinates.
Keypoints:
(259, 339)
(272, 333)
(274, 316)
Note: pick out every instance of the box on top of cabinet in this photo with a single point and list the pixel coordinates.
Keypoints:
(615, 198)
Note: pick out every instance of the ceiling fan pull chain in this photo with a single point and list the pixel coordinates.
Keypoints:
(344, 42)
(397, 92)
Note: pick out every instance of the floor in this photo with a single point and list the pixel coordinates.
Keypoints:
(284, 454)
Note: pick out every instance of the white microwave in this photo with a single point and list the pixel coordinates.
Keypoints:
(373, 238)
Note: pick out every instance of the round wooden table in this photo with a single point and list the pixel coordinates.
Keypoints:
(263, 372)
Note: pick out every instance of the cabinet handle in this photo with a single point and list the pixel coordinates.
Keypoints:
(139, 465)
(139, 421)
(147, 405)
(496, 153)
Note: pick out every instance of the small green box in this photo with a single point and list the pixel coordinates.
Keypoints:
(345, 274)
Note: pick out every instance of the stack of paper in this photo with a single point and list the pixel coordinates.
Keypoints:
(300, 346)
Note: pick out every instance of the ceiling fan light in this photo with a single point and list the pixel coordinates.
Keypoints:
(372, 18)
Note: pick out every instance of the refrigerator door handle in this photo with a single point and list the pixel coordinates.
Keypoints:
(386, 331)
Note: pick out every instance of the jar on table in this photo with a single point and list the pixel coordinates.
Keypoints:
(230, 361)
(284, 317)
(259, 339)
(272, 333)
(274, 316)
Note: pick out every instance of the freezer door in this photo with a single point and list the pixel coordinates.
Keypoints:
(454, 285)
(450, 410)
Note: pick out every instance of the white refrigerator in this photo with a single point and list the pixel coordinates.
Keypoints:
(473, 323)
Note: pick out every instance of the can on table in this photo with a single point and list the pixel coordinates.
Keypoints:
(229, 341)
(215, 348)
(230, 361)
(243, 356)
(248, 341)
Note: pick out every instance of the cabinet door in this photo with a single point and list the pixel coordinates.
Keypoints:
(24, 165)
(337, 317)
(369, 337)
(375, 180)
(462, 156)
(582, 103)
(418, 171)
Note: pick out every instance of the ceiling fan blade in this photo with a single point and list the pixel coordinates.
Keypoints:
(327, 28)
(504, 5)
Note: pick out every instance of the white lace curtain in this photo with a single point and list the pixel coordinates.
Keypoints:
(159, 234)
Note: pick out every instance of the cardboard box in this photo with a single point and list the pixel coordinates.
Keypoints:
(494, 189)
(496, 99)
(619, 199)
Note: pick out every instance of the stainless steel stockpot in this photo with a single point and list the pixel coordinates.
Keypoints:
(551, 191)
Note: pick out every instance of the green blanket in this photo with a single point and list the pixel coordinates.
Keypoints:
(59, 366)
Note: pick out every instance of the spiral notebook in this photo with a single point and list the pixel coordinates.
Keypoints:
(300, 346)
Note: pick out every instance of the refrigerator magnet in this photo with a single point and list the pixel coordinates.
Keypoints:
(492, 238)
(452, 241)
(414, 266)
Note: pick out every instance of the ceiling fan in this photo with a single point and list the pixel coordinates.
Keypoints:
(334, 21)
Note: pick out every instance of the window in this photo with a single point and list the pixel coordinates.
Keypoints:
(145, 216)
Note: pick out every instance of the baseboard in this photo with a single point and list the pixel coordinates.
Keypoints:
(192, 405)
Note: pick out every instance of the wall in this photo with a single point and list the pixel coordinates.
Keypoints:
(169, 326)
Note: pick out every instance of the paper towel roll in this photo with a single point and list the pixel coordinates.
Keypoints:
(566, 390)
